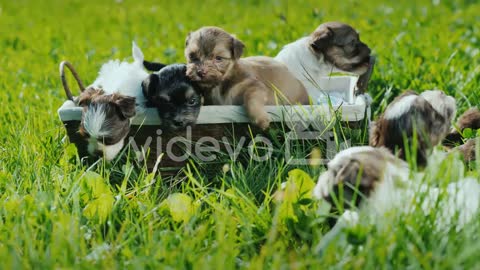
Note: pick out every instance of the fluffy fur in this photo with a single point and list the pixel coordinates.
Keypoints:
(214, 62)
(427, 117)
(373, 165)
(382, 183)
(109, 104)
(175, 96)
(124, 78)
(105, 121)
(332, 47)
(467, 150)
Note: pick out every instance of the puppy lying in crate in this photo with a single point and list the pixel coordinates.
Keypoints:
(122, 91)
(224, 78)
(333, 47)
(110, 103)
(214, 63)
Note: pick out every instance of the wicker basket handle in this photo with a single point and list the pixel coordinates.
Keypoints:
(67, 64)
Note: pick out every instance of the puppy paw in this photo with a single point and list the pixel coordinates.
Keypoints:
(324, 185)
(349, 218)
(263, 121)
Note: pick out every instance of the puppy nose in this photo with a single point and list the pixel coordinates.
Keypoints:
(178, 123)
(201, 73)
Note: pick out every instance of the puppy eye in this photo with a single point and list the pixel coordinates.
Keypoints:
(218, 58)
(193, 58)
(192, 102)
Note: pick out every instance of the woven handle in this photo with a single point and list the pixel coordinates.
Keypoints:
(67, 64)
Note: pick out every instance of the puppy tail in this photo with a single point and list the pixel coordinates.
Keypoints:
(375, 136)
(137, 54)
(139, 59)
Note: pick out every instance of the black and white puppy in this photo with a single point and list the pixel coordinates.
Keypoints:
(332, 47)
(427, 117)
(380, 182)
(175, 96)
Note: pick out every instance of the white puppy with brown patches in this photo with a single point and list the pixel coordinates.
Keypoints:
(125, 78)
(332, 47)
(426, 116)
(110, 103)
(381, 183)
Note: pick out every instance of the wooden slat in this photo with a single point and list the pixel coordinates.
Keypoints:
(214, 121)
(237, 114)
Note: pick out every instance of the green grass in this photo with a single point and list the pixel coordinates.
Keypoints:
(55, 214)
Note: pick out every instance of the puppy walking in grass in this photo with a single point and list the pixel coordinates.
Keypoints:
(425, 118)
(374, 182)
(214, 62)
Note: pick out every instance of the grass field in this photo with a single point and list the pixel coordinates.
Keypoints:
(58, 214)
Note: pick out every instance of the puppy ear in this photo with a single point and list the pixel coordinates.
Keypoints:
(86, 96)
(237, 48)
(150, 85)
(322, 37)
(345, 182)
(187, 40)
(126, 104)
(349, 172)
(357, 179)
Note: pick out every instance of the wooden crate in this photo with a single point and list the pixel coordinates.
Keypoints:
(226, 124)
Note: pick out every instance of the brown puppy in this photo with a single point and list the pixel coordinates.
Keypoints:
(214, 62)
(467, 150)
(469, 119)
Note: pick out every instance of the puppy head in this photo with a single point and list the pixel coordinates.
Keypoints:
(175, 96)
(359, 170)
(340, 44)
(105, 121)
(445, 108)
(426, 116)
(443, 104)
(469, 119)
(211, 53)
